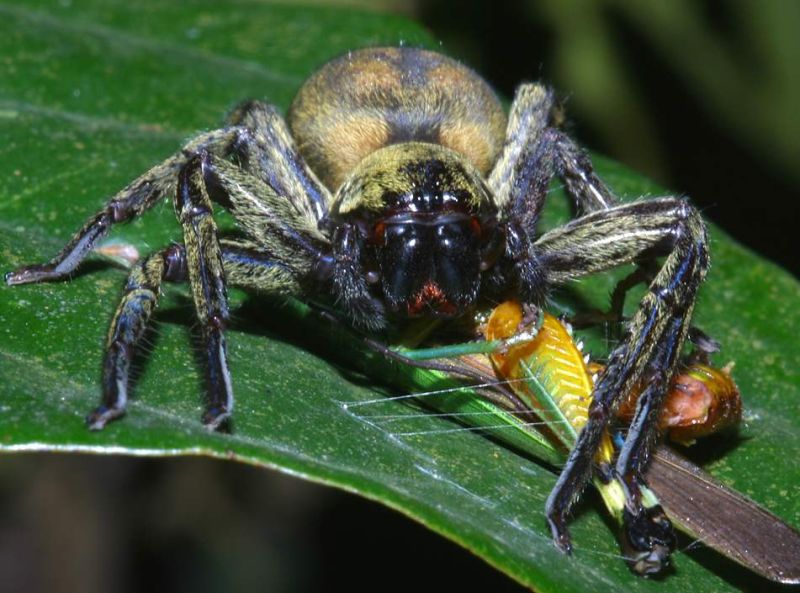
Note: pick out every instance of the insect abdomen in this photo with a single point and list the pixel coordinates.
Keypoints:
(375, 97)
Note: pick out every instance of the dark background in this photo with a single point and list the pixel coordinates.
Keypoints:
(702, 96)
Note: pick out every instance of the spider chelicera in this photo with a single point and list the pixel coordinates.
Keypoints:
(399, 188)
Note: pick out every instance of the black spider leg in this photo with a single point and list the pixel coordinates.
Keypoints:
(201, 262)
(258, 210)
(136, 198)
(535, 151)
(261, 139)
(287, 235)
(130, 320)
(246, 266)
(646, 270)
(207, 280)
(268, 148)
(615, 315)
(653, 338)
(265, 148)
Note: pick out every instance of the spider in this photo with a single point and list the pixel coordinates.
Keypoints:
(398, 188)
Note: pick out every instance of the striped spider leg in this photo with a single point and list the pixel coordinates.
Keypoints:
(252, 169)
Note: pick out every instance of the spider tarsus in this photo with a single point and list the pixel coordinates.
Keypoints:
(27, 275)
(530, 315)
(648, 540)
(102, 415)
(561, 536)
(650, 563)
(9, 278)
(217, 419)
(702, 341)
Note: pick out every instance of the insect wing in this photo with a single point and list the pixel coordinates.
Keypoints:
(724, 519)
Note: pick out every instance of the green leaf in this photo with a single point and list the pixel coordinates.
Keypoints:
(92, 95)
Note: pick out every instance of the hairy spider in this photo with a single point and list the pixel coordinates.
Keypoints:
(399, 188)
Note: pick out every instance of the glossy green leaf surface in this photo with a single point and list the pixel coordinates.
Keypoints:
(93, 93)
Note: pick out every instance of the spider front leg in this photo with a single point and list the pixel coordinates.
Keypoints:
(130, 320)
(256, 134)
(201, 261)
(535, 151)
(246, 266)
(652, 340)
(136, 198)
(207, 280)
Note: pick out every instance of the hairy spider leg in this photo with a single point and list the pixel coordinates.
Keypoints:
(297, 197)
(268, 217)
(258, 136)
(291, 235)
(272, 195)
(246, 265)
(134, 200)
(339, 261)
(535, 152)
(207, 279)
(208, 263)
(652, 339)
(130, 320)
(266, 149)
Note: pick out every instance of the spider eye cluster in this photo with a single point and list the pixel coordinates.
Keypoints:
(427, 200)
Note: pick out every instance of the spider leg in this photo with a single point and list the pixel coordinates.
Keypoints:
(283, 222)
(293, 238)
(128, 325)
(269, 217)
(249, 266)
(207, 280)
(535, 151)
(203, 262)
(266, 149)
(257, 134)
(703, 344)
(651, 344)
(246, 266)
(136, 198)
(643, 273)
(291, 250)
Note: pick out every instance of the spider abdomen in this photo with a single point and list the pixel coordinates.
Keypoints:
(376, 97)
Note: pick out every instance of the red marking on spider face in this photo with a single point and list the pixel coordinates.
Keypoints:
(431, 296)
(475, 225)
(379, 234)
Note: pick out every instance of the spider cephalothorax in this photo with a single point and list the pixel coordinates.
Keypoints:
(428, 227)
(399, 188)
